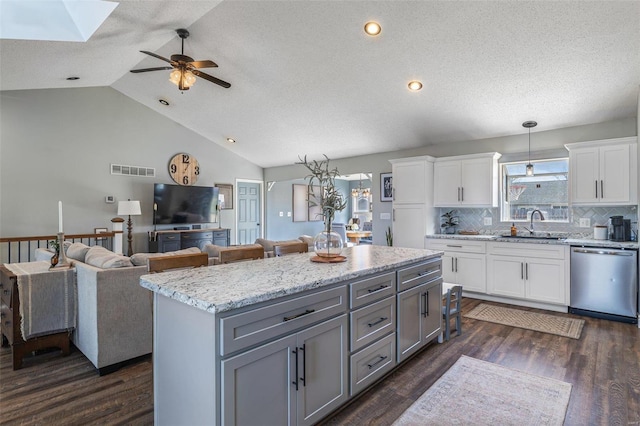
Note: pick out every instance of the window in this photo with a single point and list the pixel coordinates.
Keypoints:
(547, 190)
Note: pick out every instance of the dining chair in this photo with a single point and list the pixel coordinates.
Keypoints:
(341, 229)
(163, 263)
(290, 248)
(237, 254)
(452, 297)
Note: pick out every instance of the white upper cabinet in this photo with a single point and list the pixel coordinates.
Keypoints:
(468, 180)
(413, 213)
(604, 172)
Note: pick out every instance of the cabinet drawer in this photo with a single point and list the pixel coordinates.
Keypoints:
(543, 251)
(250, 328)
(371, 363)
(371, 322)
(371, 289)
(464, 246)
(168, 237)
(419, 274)
(197, 235)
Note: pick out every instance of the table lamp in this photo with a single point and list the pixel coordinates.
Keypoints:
(129, 208)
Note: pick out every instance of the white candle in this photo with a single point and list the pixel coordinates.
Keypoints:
(60, 216)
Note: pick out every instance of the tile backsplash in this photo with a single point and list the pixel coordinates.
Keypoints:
(472, 219)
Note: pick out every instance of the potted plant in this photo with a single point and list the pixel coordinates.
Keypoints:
(327, 243)
(449, 222)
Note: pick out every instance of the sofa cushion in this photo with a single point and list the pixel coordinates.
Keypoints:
(140, 259)
(100, 257)
(212, 250)
(77, 251)
(306, 239)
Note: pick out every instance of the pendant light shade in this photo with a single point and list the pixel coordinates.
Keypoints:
(529, 125)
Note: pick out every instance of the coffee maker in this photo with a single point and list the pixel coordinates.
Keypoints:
(617, 228)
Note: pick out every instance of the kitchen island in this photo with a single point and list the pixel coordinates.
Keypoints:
(286, 340)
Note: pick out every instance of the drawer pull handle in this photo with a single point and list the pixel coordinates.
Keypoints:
(373, 290)
(295, 382)
(453, 245)
(307, 312)
(371, 324)
(423, 273)
(380, 359)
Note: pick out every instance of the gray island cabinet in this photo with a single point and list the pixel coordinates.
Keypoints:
(286, 341)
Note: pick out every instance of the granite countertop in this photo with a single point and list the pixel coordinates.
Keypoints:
(226, 287)
(586, 242)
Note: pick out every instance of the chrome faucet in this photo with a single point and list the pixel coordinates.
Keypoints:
(531, 226)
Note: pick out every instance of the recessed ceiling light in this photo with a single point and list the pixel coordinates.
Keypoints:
(231, 140)
(163, 102)
(372, 28)
(414, 85)
(73, 78)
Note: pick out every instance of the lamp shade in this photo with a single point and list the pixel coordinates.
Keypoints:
(131, 208)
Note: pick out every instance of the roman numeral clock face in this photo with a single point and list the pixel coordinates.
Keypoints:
(184, 169)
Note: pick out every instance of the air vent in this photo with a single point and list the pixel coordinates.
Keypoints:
(121, 169)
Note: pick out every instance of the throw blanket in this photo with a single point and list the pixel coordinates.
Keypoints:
(47, 298)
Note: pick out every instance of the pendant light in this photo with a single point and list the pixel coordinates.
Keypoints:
(529, 125)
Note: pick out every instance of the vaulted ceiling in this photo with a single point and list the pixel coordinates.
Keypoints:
(306, 79)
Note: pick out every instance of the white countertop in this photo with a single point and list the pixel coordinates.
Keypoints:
(587, 242)
(222, 288)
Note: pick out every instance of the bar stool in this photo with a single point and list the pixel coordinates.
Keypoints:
(451, 296)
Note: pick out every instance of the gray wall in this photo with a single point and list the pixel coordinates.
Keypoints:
(543, 143)
(58, 144)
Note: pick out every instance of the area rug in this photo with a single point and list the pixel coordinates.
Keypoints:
(475, 392)
(553, 324)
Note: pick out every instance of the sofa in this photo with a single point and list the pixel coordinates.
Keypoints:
(114, 321)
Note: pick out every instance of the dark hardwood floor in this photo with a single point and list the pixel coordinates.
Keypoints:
(603, 366)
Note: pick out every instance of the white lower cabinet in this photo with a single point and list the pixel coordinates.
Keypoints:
(463, 263)
(419, 317)
(533, 272)
(294, 380)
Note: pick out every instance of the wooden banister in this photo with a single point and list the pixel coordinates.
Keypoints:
(22, 249)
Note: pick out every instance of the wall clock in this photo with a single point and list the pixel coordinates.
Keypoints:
(184, 169)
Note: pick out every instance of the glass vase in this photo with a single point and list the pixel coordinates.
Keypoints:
(328, 244)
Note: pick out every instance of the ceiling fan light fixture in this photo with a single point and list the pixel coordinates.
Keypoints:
(182, 78)
(372, 28)
(414, 85)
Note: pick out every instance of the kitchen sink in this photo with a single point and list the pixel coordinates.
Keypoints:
(531, 237)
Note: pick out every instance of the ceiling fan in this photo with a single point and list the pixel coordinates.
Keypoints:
(184, 67)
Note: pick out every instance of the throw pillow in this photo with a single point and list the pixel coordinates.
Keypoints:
(77, 251)
(306, 239)
(100, 257)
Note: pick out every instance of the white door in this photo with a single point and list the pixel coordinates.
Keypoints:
(477, 182)
(583, 168)
(249, 212)
(446, 183)
(409, 225)
(545, 280)
(614, 174)
(505, 276)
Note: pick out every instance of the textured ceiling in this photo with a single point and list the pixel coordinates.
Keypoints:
(307, 80)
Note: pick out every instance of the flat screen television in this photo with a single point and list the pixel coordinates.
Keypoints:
(175, 204)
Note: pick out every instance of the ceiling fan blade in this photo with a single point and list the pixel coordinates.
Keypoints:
(157, 56)
(203, 64)
(212, 79)
(152, 69)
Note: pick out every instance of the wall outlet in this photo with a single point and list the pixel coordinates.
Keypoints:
(288, 214)
(281, 214)
(488, 221)
(385, 216)
(585, 222)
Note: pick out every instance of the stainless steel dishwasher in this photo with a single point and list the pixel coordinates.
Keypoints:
(604, 283)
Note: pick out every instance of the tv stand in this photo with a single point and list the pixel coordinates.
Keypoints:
(172, 240)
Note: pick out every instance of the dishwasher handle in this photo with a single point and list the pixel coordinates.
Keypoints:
(604, 251)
